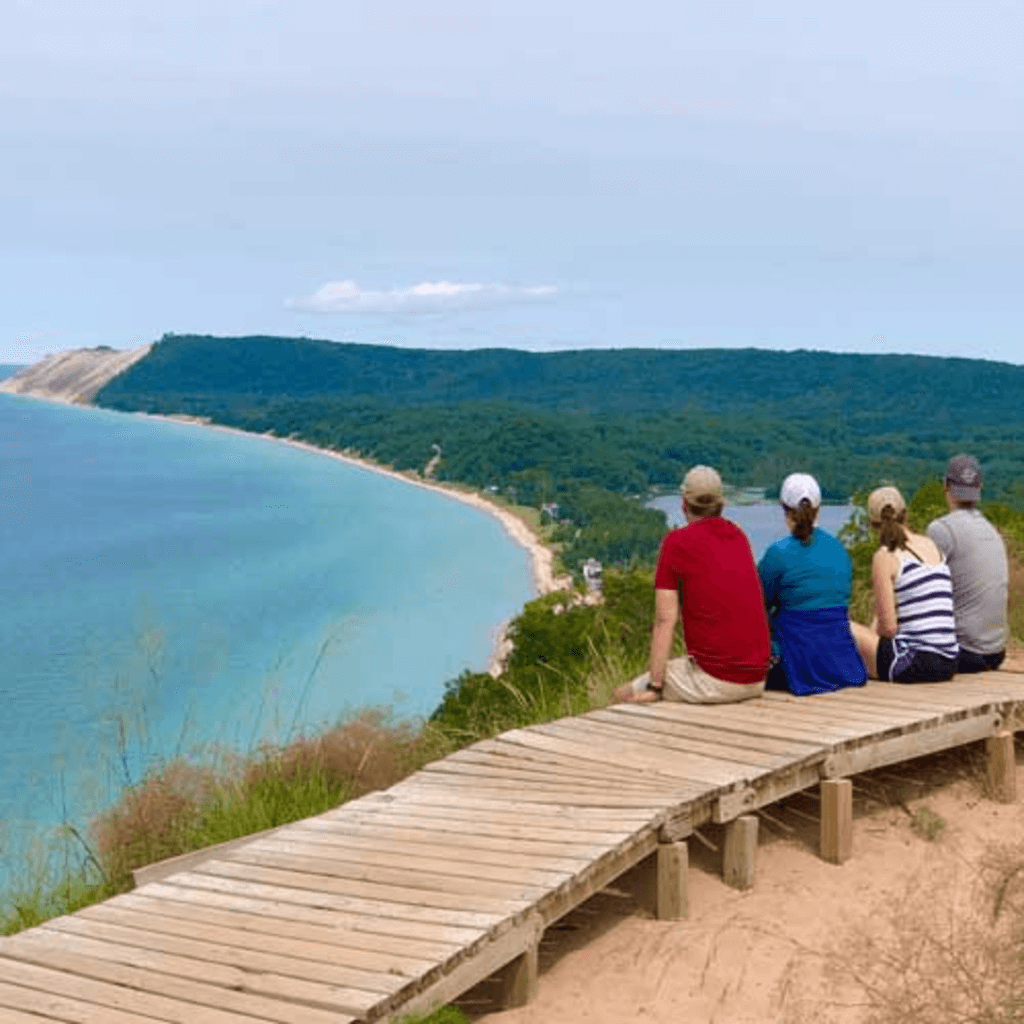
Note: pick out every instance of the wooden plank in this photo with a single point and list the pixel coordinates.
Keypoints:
(287, 899)
(632, 760)
(1003, 682)
(528, 798)
(267, 974)
(36, 1004)
(425, 796)
(820, 722)
(266, 918)
(836, 820)
(569, 772)
(851, 759)
(671, 896)
(663, 734)
(17, 1017)
(763, 721)
(524, 792)
(888, 694)
(969, 688)
(834, 709)
(414, 861)
(740, 852)
(428, 804)
(660, 717)
(424, 816)
(452, 850)
(533, 779)
(872, 691)
(1002, 767)
(734, 759)
(114, 1002)
(389, 876)
(534, 739)
(505, 758)
(606, 739)
(464, 838)
(291, 887)
(422, 791)
(380, 904)
(503, 746)
(75, 955)
(230, 946)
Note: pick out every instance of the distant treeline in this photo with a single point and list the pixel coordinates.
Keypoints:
(577, 428)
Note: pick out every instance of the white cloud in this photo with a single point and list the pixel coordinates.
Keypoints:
(426, 297)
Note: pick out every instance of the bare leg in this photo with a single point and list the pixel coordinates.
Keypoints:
(867, 644)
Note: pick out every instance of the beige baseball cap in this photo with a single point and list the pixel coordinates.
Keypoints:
(882, 497)
(702, 482)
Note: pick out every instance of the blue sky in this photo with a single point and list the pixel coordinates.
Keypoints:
(544, 175)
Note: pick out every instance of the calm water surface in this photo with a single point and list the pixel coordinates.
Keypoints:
(762, 522)
(164, 586)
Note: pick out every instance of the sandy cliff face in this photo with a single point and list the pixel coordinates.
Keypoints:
(73, 376)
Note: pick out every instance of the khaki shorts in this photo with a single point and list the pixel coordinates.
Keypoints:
(687, 682)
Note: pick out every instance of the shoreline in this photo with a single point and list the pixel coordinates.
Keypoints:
(542, 559)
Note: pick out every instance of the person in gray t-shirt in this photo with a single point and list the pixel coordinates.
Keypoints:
(977, 562)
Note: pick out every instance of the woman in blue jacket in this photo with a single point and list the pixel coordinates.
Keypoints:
(807, 578)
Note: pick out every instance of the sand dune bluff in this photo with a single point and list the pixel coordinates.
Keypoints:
(75, 376)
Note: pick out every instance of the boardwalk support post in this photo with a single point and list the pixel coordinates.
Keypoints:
(836, 820)
(519, 979)
(672, 901)
(740, 850)
(1002, 767)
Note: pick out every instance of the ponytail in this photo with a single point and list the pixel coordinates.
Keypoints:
(891, 531)
(802, 518)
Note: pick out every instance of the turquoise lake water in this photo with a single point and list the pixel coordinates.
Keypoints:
(181, 586)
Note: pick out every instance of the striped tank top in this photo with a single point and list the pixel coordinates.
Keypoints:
(924, 607)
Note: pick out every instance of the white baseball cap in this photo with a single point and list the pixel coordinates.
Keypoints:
(798, 486)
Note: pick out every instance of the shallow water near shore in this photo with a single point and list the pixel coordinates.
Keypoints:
(165, 587)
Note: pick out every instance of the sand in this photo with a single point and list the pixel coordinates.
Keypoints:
(760, 956)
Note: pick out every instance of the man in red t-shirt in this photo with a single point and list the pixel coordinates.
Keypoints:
(706, 571)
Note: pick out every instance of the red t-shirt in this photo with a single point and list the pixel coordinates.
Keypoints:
(725, 627)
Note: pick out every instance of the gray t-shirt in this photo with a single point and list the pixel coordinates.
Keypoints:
(977, 562)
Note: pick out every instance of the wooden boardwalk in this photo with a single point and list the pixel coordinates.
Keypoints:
(404, 899)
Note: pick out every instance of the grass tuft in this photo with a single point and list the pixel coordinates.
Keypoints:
(927, 824)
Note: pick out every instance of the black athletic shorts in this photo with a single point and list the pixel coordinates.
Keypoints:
(971, 662)
(918, 667)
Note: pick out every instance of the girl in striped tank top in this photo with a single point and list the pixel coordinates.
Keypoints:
(913, 637)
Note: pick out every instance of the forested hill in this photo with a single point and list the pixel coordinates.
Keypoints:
(625, 419)
(893, 391)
